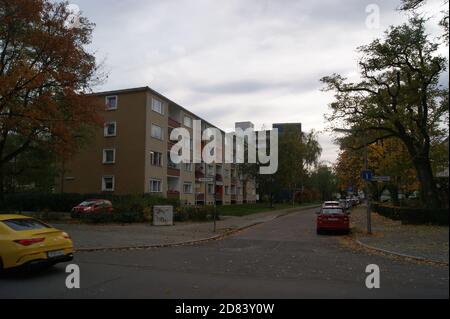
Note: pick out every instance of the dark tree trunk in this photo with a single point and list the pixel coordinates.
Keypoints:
(428, 190)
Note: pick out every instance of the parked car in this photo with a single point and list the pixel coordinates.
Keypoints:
(344, 204)
(25, 241)
(331, 204)
(333, 218)
(92, 206)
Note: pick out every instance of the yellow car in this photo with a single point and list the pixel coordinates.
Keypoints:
(25, 241)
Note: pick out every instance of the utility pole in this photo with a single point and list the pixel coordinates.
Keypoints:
(215, 199)
(366, 167)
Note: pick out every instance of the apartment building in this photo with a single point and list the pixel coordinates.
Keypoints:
(131, 155)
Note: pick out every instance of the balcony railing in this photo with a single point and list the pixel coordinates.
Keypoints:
(173, 194)
(174, 123)
(173, 169)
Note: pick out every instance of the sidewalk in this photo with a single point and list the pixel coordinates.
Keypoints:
(421, 241)
(94, 237)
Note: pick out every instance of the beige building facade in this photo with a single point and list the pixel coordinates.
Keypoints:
(130, 155)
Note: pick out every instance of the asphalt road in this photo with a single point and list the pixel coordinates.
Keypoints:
(283, 258)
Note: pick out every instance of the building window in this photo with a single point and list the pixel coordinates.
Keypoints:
(210, 170)
(211, 189)
(157, 106)
(188, 167)
(238, 191)
(110, 129)
(111, 103)
(226, 173)
(187, 121)
(227, 190)
(157, 132)
(187, 188)
(109, 156)
(155, 186)
(156, 159)
(108, 183)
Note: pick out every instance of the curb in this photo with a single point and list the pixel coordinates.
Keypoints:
(421, 259)
(281, 213)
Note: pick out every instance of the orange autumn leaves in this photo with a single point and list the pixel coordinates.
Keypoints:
(46, 75)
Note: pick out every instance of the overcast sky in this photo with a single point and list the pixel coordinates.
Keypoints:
(237, 60)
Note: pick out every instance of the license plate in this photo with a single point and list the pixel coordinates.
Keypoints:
(333, 219)
(54, 254)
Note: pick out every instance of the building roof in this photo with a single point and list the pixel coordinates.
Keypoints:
(150, 90)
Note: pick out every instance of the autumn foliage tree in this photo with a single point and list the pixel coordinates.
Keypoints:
(398, 96)
(46, 74)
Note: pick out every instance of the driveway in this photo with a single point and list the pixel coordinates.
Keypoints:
(283, 258)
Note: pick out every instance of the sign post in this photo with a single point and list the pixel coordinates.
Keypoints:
(211, 180)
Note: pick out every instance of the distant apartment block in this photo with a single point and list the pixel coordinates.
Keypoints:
(131, 155)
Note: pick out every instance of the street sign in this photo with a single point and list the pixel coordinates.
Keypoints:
(206, 180)
(366, 175)
(381, 179)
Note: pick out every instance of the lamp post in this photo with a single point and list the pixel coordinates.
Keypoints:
(366, 182)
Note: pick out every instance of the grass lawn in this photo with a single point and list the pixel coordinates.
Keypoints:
(248, 209)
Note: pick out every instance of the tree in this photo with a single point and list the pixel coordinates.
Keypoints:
(324, 180)
(413, 5)
(46, 75)
(398, 96)
(298, 152)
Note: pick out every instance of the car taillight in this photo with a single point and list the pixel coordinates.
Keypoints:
(66, 235)
(29, 242)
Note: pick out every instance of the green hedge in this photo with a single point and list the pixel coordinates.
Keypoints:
(116, 217)
(408, 215)
(34, 202)
(194, 213)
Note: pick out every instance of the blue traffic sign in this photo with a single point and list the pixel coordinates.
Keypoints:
(367, 175)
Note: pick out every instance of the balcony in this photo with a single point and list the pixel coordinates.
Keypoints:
(174, 123)
(173, 194)
(200, 197)
(173, 169)
(199, 174)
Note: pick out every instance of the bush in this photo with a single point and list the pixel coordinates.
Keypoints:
(195, 213)
(409, 215)
(65, 202)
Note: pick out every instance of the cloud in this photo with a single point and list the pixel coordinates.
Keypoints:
(236, 60)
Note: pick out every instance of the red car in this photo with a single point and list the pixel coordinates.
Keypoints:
(92, 206)
(333, 218)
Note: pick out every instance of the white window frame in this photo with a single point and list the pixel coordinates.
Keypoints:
(106, 134)
(160, 185)
(161, 158)
(162, 132)
(161, 112)
(190, 121)
(108, 108)
(105, 150)
(213, 191)
(188, 167)
(104, 189)
(191, 188)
